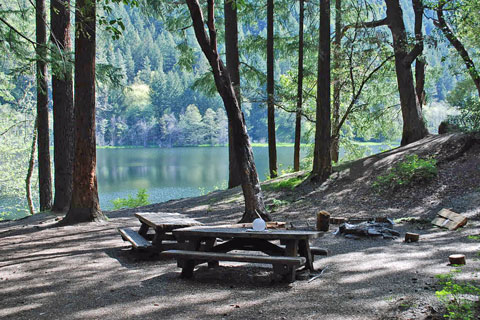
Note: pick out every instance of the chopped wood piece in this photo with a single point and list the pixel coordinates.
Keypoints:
(323, 220)
(337, 220)
(457, 259)
(411, 237)
(449, 219)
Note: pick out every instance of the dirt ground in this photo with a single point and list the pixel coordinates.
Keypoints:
(87, 272)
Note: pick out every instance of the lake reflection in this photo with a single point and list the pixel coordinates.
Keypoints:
(171, 173)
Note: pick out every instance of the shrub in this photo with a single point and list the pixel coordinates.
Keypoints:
(460, 299)
(410, 171)
(140, 200)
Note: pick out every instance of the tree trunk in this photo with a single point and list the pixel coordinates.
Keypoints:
(335, 143)
(455, 42)
(62, 96)
(413, 126)
(298, 116)
(272, 144)
(322, 163)
(31, 164)
(243, 151)
(44, 169)
(84, 205)
(233, 66)
(420, 61)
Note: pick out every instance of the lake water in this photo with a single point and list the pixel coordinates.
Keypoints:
(171, 173)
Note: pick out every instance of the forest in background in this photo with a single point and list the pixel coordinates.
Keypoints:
(154, 87)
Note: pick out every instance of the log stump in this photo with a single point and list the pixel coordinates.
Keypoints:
(457, 259)
(323, 221)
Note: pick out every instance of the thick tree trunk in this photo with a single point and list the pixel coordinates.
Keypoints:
(455, 42)
(335, 143)
(322, 163)
(44, 167)
(84, 205)
(62, 96)
(413, 126)
(298, 116)
(420, 61)
(243, 151)
(272, 143)
(233, 66)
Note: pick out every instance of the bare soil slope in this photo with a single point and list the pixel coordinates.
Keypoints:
(88, 272)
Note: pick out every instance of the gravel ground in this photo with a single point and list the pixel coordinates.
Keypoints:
(87, 272)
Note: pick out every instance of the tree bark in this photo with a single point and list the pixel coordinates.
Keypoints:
(335, 144)
(84, 205)
(298, 115)
(62, 96)
(233, 67)
(420, 61)
(322, 163)
(272, 144)
(44, 167)
(455, 42)
(243, 151)
(413, 126)
(31, 164)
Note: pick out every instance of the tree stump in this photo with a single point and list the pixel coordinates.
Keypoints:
(457, 259)
(323, 221)
(411, 237)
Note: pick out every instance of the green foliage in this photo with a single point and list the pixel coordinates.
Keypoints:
(410, 171)
(276, 204)
(465, 98)
(140, 200)
(286, 184)
(460, 299)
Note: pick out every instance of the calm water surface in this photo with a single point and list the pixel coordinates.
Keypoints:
(171, 173)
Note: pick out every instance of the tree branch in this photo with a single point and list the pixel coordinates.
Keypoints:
(441, 23)
(363, 25)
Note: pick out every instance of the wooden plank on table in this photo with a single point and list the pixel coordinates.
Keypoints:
(137, 241)
(449, 219)
(200, 255)
(226, 232)
(166, 220)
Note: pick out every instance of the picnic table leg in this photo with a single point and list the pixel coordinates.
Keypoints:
(304, 249)
(291, 250)
(143, 230)
(209, 244)
(189, 264)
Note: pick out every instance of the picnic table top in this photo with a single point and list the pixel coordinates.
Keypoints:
(235, 232)
(169, 220)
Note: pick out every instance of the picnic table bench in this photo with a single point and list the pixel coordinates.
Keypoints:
(285, 259)
(162, 224)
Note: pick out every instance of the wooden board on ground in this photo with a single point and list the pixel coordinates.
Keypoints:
(449, 219)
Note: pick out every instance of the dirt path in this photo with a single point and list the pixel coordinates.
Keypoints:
(88, 272)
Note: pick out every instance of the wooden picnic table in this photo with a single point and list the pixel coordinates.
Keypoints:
(162, 223)
(201, 246)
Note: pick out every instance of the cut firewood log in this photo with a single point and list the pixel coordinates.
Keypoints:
(323, 220)
(457, 259)
(411, 237)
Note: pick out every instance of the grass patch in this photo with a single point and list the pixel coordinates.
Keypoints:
(276, 204)
(140, 200)
(412, 170)
(286, 184)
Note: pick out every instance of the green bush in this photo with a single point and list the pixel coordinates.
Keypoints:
(410, 171)
(460, 299)
(140, 200)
